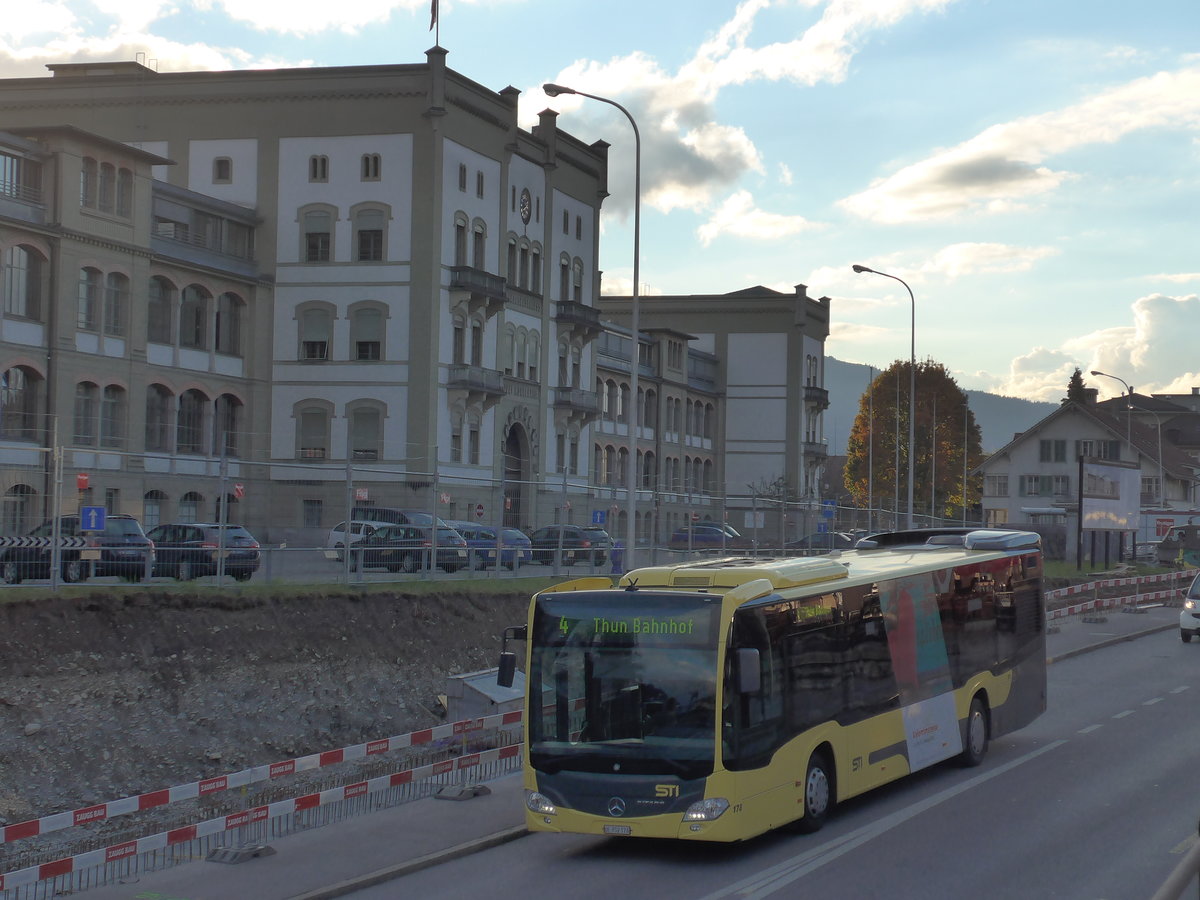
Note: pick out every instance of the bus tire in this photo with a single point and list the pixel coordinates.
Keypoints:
(818, 794)
(975, 740)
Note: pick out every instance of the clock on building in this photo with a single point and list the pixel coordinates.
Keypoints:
(526, 205)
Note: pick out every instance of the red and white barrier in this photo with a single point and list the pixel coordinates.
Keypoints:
(195, 789)
(241, 819)
(1171, 577)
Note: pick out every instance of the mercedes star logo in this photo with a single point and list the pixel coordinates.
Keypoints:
(616, 807)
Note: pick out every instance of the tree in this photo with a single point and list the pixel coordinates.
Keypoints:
(1076, 390)
(879, 442)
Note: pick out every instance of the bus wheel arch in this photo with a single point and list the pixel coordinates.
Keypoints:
(819, 790)
(976, 731)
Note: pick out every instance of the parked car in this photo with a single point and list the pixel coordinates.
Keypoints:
(580, 544)
(823, 540)
(709, 536)
(481, 545)
(121, 549)
(187, 550)
(407, 548)
(337, 539)
(391, 515)
(1189, 616)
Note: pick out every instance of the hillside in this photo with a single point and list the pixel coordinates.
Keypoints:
(999, 417)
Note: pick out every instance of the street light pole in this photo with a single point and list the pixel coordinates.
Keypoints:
(1128, 408)
(553, 90)
(912, 379)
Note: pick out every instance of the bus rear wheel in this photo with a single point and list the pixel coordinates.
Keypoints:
(818, 794)
(976, 743)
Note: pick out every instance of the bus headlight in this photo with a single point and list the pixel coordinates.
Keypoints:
(540, 804)
(706, 810)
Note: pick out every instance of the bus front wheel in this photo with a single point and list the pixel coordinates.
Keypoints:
(976, 743)
(818, 794)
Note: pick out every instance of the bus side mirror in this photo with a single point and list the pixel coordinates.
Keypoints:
(508, 659)
(749, 671)
(508, 668)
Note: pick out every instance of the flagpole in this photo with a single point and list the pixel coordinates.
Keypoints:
(434, 25)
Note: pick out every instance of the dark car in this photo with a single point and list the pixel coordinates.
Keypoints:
(709, 536)
(121, 549)
(407, 548)
(187, 550)
(481, 545)
(824, 540)
(588, 544)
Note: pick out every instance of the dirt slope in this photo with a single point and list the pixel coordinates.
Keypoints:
(103, 697)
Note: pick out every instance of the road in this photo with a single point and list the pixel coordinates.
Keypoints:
(1094, 800)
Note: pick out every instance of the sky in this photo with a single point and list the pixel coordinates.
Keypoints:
(1030, 169)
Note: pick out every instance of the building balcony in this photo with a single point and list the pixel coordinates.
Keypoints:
(574, 317)
(816, 396)
(817, 451)
(524, 299)
(481, 385)
(478, 289)
(578, 402)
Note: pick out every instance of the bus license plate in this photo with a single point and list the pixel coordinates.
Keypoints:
(618, 829)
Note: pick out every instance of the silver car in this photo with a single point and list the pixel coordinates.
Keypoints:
(1189, 616)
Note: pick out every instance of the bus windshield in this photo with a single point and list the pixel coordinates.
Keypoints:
(627, 680)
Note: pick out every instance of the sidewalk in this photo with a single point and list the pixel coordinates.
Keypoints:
(376, 848)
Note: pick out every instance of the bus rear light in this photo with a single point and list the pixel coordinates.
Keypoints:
(540, 804)
(706, 810)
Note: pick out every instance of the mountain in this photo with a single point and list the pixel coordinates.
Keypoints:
(999, 417)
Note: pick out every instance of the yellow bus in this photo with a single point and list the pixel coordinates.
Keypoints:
(717, 700)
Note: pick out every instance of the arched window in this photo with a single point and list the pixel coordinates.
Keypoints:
(622, 466)
(577, 281)
(159, 416)
(189, 435)
(610, 464)
(25, 273)
(112, 417)
(371, 166)
(116, 303)
(316, 231)
(152, 509)
(318, 168)
(18, 510)
(367, 323)
(107, 187)
(370, 229)
(366, 430)
(160, 311)
(193, 318)
(312, 429)
(533, 353)
(89, 176)
(479, 246)
(189, 506)
(316, 331)
(535, 270)
(86, 397)
(88, 313)
(230, 309)
(124, 193)
(623, 408)
(21, 391)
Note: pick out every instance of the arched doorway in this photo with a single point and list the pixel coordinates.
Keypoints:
(516, 450)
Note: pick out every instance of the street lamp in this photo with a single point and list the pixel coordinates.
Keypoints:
(553, 90)
(912, 380)
(1129, 406)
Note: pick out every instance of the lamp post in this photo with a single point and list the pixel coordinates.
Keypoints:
(1129, 407)
(553, 90)
(912, 380)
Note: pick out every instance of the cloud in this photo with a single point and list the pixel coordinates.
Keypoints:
(959, 260)
(1003, 167)
(1178, 278)
(1143, 353)
(308, 17)
(739, 217)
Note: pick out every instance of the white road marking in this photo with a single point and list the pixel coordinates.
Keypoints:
(769, 881)
(1152, 701)
(1089, 729)
(1180, 689)
(1121, 715)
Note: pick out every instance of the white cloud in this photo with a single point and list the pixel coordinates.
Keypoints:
(1003, 167)
(958, 260)
(307, 17)
(1177, 278)
(40, 17)
(738, 216)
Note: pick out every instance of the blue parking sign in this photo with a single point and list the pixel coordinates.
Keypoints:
(599, 516)
(92, 518)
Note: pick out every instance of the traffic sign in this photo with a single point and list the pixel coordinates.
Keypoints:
(92, 518)
(239, 490)
(479, 510)
(598, 516)
(81, 481)
(362, 494)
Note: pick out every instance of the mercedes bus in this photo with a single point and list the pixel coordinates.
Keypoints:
(717, 700)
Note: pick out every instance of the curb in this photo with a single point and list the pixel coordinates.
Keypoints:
(1079, 651)
(379, 876)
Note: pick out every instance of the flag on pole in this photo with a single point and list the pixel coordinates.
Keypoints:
(432, 13)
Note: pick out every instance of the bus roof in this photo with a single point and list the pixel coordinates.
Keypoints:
(874, 558)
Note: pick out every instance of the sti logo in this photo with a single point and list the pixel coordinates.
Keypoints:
(666, 790)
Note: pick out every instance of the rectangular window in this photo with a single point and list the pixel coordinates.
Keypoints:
(1037, 485)
(1062, 485)
(473, 445)
(366, 350)
(462, 176)
(312, 513)
(314, 350)
(316, 246)
(579, 227)
(995, 485)
(478, 184)
(222, 170)
(318, 168)
(371, 166)
(456, 447)
(1052, 450)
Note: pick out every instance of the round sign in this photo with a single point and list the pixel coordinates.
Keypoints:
(479, 510)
